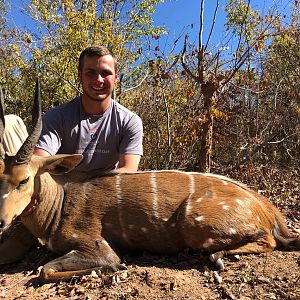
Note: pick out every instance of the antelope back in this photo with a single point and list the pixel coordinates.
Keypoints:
(164, 211)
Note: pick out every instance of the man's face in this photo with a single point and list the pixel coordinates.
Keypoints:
(98, 77)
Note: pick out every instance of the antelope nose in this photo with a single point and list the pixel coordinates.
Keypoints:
(2, 224)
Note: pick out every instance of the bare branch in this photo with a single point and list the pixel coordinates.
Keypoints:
(282, 140)
(212, 26)
(201, 24)
(200, 50)
(253, 151)
(247, 89)
(174, 63)
(139, 84)
(240, 36)
(245, 55)
(68, 82)
(184, 65)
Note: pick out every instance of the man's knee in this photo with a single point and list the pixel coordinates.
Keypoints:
(14, 135)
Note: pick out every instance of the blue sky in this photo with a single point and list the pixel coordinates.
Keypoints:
(177, 16)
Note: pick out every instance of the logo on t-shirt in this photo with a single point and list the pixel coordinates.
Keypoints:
(93, 136)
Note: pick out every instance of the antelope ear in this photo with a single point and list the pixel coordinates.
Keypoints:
(60, 163)
(2, 166)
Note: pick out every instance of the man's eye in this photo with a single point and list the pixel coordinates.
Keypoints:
(91, 73)
(105, 74)
(22, 182)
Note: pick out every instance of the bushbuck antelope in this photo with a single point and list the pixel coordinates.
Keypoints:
(157, 211)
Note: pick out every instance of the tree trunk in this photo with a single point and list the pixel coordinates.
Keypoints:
(206, 139)
(209, 91)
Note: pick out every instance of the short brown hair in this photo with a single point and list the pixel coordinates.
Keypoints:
(94, 50)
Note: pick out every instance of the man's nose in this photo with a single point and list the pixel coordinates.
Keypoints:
(99, 78)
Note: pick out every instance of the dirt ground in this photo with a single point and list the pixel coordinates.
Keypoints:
(187, 276)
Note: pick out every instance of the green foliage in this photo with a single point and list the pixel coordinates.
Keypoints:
(12, 65)
(65, 28)
(261, 99)
(242, 19)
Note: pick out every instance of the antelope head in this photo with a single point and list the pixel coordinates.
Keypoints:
(18, 174)
(16, 182)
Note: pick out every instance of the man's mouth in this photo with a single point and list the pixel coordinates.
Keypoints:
(98, 89)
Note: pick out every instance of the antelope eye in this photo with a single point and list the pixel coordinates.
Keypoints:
(22, 182)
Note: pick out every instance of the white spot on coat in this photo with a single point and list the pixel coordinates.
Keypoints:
(208, 243)
(189, 206)
(120, 209)
(199, 199)
(225, 207)
(118, 188)
(199, 218)
(144, 229)
(240, 202)
(153, 186)
(105, 243)
(232, 231)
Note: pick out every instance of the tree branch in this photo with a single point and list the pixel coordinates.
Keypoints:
(139, 84)
(184, 65)
(212, 26)
(252, 152)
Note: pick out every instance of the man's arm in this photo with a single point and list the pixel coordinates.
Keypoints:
(131, 147)
(40, 152)
(128, 163)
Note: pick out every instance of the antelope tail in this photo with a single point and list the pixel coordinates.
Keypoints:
(284, 239)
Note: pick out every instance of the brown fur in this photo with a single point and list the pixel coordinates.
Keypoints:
(162, 212)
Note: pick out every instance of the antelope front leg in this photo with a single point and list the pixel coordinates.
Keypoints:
(78, 262)
(15, 242)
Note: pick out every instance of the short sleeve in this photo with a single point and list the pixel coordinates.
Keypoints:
(52, 132)
(132, 136)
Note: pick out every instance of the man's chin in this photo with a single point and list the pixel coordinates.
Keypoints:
(99, 98)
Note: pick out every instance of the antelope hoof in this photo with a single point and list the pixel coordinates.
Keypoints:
(122, 267)
(46, 274)
(216, 259)
(113, 268)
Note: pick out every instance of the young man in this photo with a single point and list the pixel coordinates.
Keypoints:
(107, 134)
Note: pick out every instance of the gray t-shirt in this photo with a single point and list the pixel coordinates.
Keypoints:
(67, 129)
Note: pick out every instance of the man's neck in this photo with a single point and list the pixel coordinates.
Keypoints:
(94, 107)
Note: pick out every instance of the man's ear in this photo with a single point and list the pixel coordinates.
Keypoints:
(79, 76)
(60, 163)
